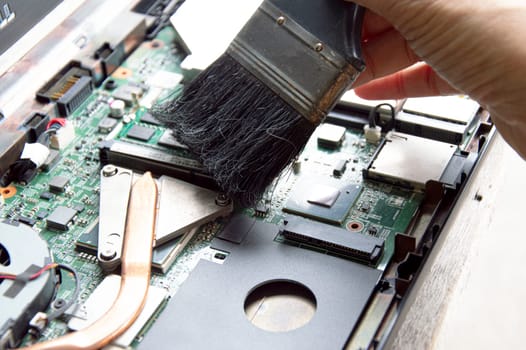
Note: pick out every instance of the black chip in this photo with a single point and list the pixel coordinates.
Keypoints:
(46, 195)
(42, 214)
(339, 168)
(60, 218)
(168, 140)
(107, 124)
(88, 241)
(147, 118)
(140, 133)
(26, 220)
(58, 184)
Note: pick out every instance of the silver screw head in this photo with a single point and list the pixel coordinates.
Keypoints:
(109, 170)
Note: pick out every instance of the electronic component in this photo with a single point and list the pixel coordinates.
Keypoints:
(372, 134)
(365, 207)
(26, 220)
(410, 161)
(74, 96)
(330, 136)
(334, 239)
(62, 137)
(147, 118)
(447, 119)
(62, 82)
(89, 240)
(168, 140)
(325, 200)
(41, 214)
(101, 300)
(60, 218)
(58, 184)
(22, 300)
(142, 158)
(339, 167)
(34, 126)
(262, 208)
(257, 260)
(46, 195)
(141, 133)
(107, 124)
(372, 230)
(128, 93)
(117, 108)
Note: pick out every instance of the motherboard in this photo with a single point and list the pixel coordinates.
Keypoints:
(340, 234)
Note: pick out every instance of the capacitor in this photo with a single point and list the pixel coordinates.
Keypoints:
(117, 108)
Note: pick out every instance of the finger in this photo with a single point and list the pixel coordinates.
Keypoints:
(374, 25)
(385, 54)
(416, 81)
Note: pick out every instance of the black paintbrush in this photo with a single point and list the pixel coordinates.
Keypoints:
(253, 110)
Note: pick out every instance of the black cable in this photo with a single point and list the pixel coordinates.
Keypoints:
(62, 309)
(374, 112)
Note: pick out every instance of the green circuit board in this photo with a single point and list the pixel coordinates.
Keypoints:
(380, 210)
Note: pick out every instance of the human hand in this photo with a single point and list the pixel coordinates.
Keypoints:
(437, 47)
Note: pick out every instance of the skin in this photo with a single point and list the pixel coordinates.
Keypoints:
(418, 48)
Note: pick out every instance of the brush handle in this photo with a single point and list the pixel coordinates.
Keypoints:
(336, 23)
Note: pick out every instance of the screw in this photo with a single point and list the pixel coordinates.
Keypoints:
(108, 254)
(280, 20)
(318, 47)
(222, 200)
(109, 170)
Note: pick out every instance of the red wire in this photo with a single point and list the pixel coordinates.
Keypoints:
(33, 276)
(60, 121)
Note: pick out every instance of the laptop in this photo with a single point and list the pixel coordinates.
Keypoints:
(325, 259)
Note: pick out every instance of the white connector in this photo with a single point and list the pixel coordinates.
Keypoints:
(63, 137)
(372, 134)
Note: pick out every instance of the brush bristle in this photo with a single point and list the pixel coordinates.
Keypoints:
(243, 133)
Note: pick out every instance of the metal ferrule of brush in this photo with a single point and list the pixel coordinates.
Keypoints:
(285, 46)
